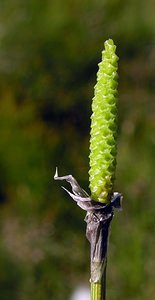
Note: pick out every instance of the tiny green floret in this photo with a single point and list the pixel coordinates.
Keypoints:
(104, 127)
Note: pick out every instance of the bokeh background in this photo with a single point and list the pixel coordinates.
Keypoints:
(49, 51)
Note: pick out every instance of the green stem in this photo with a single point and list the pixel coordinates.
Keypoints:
(98, 289)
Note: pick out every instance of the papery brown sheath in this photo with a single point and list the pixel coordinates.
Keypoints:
(98, 219)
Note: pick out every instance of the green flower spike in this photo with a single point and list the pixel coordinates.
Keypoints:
(104, 127)
(100, 205)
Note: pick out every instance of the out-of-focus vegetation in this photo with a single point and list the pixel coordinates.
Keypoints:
(49, 52)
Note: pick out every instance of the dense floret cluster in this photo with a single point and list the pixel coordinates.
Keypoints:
(104, 127)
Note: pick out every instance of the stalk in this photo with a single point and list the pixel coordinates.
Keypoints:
(96, 291)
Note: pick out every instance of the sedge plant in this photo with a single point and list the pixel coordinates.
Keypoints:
(103, 141)
(103, 148)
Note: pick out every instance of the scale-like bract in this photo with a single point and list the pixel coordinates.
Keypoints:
(104, 127)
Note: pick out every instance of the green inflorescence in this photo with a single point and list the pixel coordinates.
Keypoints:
(104, 127)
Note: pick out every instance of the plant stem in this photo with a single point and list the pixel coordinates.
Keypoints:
(97, 233)
(98, 290)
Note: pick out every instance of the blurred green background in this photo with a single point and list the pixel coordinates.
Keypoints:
(49, 51)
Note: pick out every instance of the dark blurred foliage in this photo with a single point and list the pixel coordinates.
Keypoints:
(48, 61)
